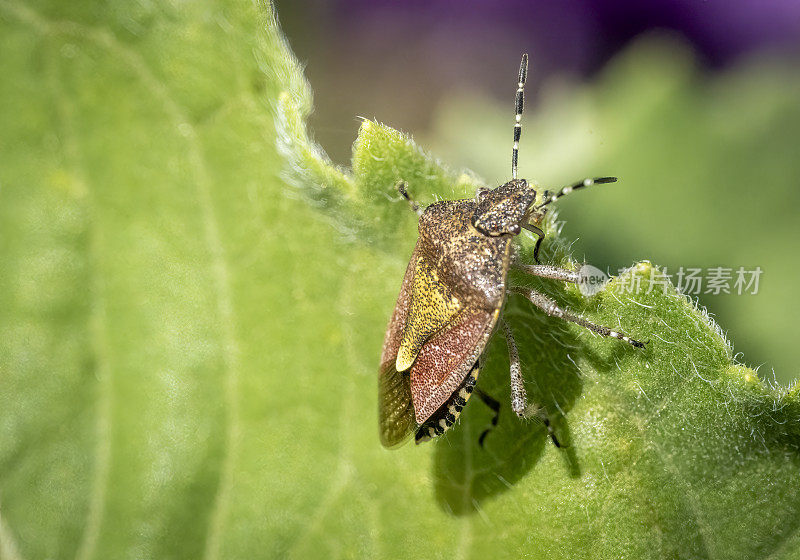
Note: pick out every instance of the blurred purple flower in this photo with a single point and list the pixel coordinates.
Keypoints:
(405, 56)
(582, 34)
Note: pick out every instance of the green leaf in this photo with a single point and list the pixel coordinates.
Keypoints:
(188, 348)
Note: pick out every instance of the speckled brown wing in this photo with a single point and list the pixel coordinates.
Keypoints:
(406, 399)
(448, 306)
(447, 358)
(395, 408)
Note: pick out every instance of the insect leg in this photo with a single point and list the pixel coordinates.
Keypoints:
(588, 182)
(551, 308)
(546, 421)
(540, 234)
(492, 404)
(549, 271)
(402, 188)
(519, 399)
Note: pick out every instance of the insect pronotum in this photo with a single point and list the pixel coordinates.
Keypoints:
(451, 299)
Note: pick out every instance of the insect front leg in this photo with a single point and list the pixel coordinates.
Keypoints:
(550, 307)
(538, 231)
(402, 188)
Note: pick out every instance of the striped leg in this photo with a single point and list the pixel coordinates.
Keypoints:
(551, 308)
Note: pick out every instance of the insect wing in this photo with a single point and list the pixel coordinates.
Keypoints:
(439, 339)
(395, 408)
(447, 358)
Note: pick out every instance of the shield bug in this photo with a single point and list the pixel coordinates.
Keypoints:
(451, 299)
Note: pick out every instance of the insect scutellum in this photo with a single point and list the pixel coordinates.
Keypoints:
(452, 298)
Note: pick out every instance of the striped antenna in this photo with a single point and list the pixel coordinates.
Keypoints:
(548, 198)
(518, 103)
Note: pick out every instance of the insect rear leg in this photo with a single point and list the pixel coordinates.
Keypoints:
(402, 188)
(551, 308)
(494, 405)
(541, 414)
(519, 399)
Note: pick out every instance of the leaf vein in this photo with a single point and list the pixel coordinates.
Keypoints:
(219, 269)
